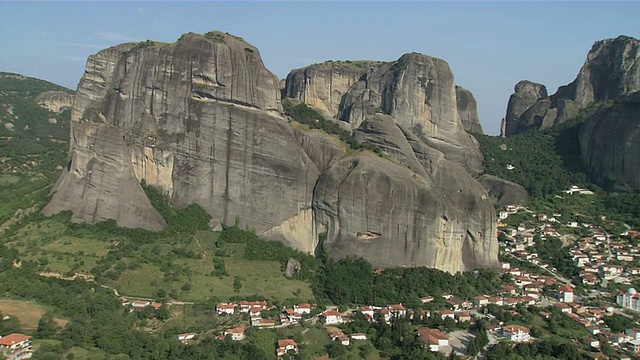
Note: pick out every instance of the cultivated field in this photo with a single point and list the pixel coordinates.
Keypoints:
(27, 313)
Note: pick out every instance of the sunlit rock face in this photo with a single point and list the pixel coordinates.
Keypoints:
(201, 120)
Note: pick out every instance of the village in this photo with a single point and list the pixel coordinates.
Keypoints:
(603, 260)
(606, 263)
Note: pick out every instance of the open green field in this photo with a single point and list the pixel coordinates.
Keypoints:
(28, 313)
(316, 338)
(258, 277)
(73, 245)
(182, 266)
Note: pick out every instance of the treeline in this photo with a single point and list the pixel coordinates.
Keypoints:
(353, 281)
(543, 349)
(545, 161)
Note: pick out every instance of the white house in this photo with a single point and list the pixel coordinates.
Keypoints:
(302, 308)
(629, 300)
(236, 334)
(226, 308)
(516, 333)
(565, 294)
(16, 346)
(433, 338)
(245, 306)
(332, 317)
(286, 346)
(184, 337)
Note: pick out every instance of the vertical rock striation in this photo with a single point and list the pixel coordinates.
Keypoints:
(610, 144)
(201, 120)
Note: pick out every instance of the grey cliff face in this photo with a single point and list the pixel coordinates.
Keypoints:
(468, 110)
(418, 91)
(323, 85)
(610, 70)
(201, 120)
(504, 192)
(610, 145)
(526, 94)
(411, 111)
(388, 214)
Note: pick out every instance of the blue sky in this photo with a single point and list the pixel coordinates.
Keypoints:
(489, 45)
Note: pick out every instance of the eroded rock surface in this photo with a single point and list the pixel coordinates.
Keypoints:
(201, 120)
(504, 192)
(610, 144)
(468, 110)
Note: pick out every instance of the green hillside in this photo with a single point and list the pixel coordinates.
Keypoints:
(547, 162)
(33, 145)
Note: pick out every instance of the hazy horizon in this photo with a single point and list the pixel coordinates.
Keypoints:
(490, 46)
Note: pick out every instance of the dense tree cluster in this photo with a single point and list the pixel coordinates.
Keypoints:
(545, 162)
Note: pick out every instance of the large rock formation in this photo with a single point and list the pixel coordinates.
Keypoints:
(411, 111)
(468, 110)
(610, 70)
(504, 192)
(323, 85)
(201, 120)
(610, 144)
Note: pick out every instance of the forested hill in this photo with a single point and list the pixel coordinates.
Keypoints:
(33, 140)
(545, 162)
(30, 133)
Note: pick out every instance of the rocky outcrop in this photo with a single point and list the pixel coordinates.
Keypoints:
(610, 70)
(55, 101)
(610, 144)
(201, 120)
(468, 110)
(323, 85)
(525, 95)
(388, 214)
(504, 192)
(418, 92)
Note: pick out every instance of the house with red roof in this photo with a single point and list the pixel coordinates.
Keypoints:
(236, 334)
(245, 306)
(433, 338)
(286, 346)
(226, 308)
(16, 346)
(332, 317)
(565, 293)
(516, 333)
(302, 308)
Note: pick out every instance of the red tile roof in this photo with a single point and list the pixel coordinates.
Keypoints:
(13, 339)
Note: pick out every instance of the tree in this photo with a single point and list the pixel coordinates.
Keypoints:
(47, 328)
(237, 284)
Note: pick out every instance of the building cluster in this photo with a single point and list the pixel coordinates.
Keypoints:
(137, 305)
(601, 257)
